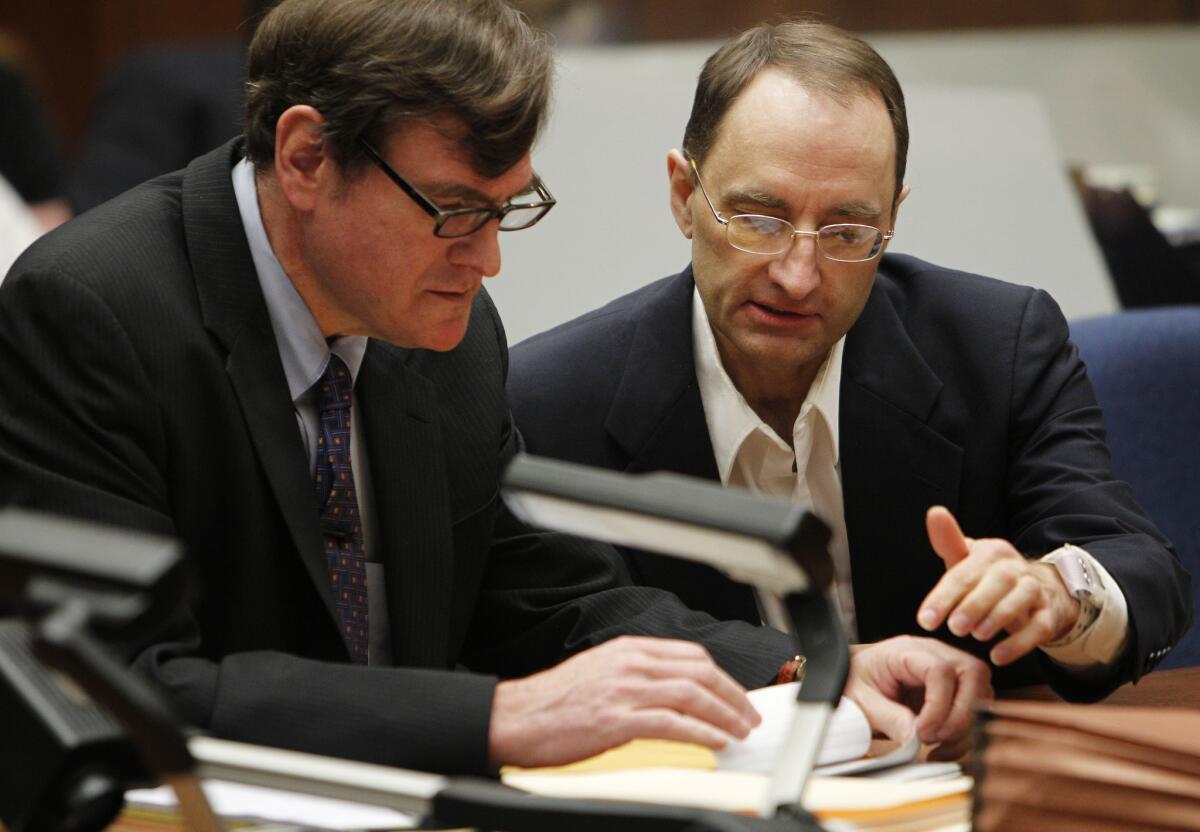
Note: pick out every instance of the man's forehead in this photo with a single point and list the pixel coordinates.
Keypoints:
(755, 197)
(775, 106)
(497, 189)
(777, 123)
(438, 159)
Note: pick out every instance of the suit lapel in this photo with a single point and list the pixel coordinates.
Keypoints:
(234, 311)
(412, 502)
(657, 415)
(893, 464)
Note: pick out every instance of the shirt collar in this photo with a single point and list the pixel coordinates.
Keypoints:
(302, 348)
(730, 417)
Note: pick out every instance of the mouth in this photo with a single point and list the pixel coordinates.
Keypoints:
(781, 313)
(456, 295)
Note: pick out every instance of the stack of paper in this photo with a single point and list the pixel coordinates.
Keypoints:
(735, 779)
(1094, 768)
(839, 803)
(844, 750)
(240, 805)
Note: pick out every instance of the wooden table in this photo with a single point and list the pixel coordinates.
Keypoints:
(1175, 688)
(1179, 688)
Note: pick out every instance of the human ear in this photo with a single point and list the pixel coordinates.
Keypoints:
(896, 205)
(679, 174)
(301, 161)
(896, 211)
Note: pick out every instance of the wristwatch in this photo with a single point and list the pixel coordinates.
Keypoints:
(1083, 584)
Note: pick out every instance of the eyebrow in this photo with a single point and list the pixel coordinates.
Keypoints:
(760, 198)
(767, 201)
(858, 210)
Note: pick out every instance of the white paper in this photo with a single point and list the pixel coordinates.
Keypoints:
(902, 754)
(917, 771)
(731, 791)
(236, 800)
(847, 736)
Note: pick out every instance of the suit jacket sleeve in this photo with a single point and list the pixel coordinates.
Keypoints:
(1062, 490)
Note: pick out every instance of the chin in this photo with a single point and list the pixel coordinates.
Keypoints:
(443, 338)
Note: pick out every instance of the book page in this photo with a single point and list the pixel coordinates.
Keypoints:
(901, 755)
(827, 797)
(847, 737)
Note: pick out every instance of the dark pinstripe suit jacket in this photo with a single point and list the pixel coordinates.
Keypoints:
(956, 390)
(141, 385)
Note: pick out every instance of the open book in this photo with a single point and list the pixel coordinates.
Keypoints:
(846, 749)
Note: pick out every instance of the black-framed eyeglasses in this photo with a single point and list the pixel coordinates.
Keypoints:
(522, 211)
(844, 242)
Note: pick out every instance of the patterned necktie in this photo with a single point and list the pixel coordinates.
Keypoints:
(337, 501)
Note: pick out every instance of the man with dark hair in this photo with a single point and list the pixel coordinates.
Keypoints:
(282, 355)
(899, 399)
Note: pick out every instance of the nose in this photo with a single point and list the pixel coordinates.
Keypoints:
(797, 269)
(480, 251)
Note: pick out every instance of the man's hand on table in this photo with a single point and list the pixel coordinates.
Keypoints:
(989, 586)
(908, 682)
(624, 689)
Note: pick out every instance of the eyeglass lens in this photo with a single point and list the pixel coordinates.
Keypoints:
(847, 242)
(514, 219)
(522, 216)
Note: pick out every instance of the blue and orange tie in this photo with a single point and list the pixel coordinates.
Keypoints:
(337, 500)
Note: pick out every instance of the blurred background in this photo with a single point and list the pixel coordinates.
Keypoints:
(1053, 144)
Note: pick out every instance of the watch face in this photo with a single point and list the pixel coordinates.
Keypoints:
(1081, 582)
(1076, 574)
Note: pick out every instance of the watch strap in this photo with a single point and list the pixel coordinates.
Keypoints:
(1082, 583)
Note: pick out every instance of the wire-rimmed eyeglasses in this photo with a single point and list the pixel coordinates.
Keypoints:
(844, 242)
(522, 211)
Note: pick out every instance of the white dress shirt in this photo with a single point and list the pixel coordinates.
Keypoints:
(750, 455)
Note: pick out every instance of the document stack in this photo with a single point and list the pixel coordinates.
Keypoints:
(891, 794)
(1087, 767)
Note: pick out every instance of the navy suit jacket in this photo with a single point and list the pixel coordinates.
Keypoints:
(142, 386)
(956, 390)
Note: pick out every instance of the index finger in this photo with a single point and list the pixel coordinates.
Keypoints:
(707, 674)
(946, 594)
(938, 680)
(973, 687)
(671, 657)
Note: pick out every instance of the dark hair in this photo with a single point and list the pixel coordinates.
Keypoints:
(367, 64)
(821, 57)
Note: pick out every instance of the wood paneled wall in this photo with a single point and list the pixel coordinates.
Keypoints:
(67, 44)
(692, 19)
(71, 42)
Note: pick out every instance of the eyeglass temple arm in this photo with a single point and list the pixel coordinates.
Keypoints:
(711, 207)
(422, 201)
